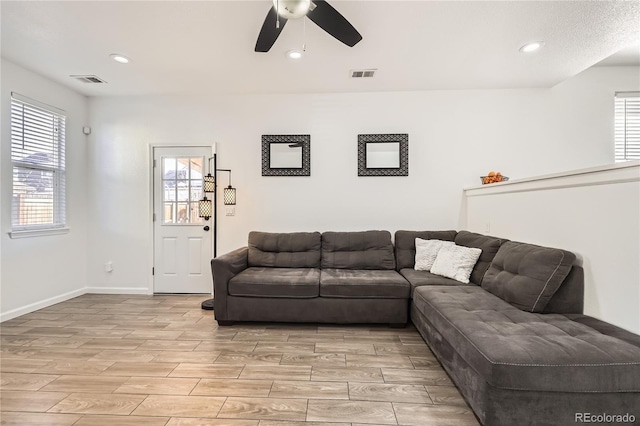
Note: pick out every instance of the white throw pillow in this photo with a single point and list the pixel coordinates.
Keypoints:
(457, 262)
(426, 252)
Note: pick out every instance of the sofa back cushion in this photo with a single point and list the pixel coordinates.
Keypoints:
(357, 250)
(406, 244)
(284, 250)
(488, 245)
(526, 275)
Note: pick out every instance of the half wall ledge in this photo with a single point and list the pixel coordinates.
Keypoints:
(601, 175)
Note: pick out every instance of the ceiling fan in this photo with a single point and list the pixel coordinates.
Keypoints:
(319, 11)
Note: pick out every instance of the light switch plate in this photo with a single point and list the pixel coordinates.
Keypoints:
(230, 211)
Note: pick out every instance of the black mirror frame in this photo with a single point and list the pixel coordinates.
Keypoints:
(303, 140)
(401, 138)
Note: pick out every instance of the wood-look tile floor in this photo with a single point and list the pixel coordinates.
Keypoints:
(123, 360)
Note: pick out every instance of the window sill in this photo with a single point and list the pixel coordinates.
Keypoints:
(38, 232)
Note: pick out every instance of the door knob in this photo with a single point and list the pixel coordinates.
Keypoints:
(206, 228)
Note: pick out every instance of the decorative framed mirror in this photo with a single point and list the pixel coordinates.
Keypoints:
(383, 155)
(286, 155)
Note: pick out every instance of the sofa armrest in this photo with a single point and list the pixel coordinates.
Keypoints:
(223, 268)
(569, 299)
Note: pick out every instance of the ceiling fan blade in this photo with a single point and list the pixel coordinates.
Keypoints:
(269, 33)
(330, 20)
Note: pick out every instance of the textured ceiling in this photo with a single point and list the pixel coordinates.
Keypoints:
(185, 47)
(629, 56)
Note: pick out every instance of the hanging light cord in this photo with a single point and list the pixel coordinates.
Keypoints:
(277, 13)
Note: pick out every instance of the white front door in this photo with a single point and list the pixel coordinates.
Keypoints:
(182, 243)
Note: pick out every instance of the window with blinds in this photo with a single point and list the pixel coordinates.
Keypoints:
(38, 163)
(627, 126)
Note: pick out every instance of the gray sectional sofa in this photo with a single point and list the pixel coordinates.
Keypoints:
(514, 340)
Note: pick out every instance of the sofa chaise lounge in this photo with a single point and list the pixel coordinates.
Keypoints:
(515, 341)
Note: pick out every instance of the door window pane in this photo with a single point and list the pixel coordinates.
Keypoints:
(194, 213)
(196, 189)
(168, 212)
(182, 188)
(196, 168)
(183, 213)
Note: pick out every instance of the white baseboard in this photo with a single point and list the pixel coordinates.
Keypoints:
(5, 316)
(118, 290)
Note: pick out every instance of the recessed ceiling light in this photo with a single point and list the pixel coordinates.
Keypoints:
(294, 54)
(532, 47)
(120, 58)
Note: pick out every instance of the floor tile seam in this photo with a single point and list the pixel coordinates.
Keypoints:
(31, 411)
(79, 373)
(261, 419)
(395, 414)
(28, 411)
(194, 388)
(433, 402)
(217, 356)
(139, 404)
(241, 371)
(226, 398)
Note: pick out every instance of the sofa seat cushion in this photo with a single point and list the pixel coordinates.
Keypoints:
(276, 282)
(363, 284)
(514, 349)
(420, 278)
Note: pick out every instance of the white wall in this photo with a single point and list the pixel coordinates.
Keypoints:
(454, 137)
(40, 271)
(594, 213)
(584, 106)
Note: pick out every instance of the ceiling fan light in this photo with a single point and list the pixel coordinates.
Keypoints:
(294, 54)
(292, 9)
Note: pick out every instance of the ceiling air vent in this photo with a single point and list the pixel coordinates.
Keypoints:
(363, 73)
(91, 79)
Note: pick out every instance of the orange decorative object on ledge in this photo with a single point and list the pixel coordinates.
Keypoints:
(493, 177)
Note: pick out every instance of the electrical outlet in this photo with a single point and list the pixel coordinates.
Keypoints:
(230, 211)
(108, 266)
(487, 227)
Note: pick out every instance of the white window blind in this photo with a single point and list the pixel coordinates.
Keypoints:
(627, 126)
(38, 162)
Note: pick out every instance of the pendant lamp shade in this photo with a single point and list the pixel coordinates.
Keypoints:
(208, 184)
(229, 196)
(205, 208)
